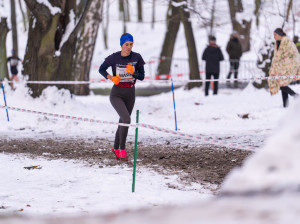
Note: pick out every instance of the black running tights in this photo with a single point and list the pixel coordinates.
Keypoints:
(286, 91)
(122, 99)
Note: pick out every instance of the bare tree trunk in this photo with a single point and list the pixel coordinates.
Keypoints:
(121, 9)
(153, 14)
(170, 37)
(190, 41)
(140, 11)
(67, 61)
(179, 14)
(212, 18)
(14, 27)
(257, 10)
(44, 36)
(288, 10)
(122, 13)
(244, 28)
(85, 47)
(23, 16)
(124, 20)
(50, 51)
(193, 3)
(3, 58)
(105, 23)
(294, 22)
(127, 12)
(124, 10)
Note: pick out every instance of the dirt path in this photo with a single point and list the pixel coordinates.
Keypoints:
(205, 164)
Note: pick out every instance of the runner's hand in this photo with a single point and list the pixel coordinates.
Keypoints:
(116, 80)
(129, 69)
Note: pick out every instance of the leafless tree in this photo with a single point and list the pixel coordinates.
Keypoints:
(140, 10)
(85, 46)
(153, 14)
(14, 27)
(25, 20)
(179, 13)
(243, 28)
(124, 13)
(191, 45)
(173, 22)
(50, 48)
(3, 57)
(105, 21)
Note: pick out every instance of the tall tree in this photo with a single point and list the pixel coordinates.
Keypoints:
(14, 27)
(257, 11)
(178, 12)
(105, 22)
(124, 13)
(244, 28)
(127, 11)
(140, 10)
(85, 46)
(52, 39)
(191, 45)
(212, 20)
(25, 20)
(173, 23)
(153, 14)
(3, 58)
(289, 8)
(121, 9)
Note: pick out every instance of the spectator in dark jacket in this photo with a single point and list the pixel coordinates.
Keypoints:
(234, 49)
(212, 55)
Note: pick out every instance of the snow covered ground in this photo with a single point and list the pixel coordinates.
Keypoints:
(275, 167)
(70, 187)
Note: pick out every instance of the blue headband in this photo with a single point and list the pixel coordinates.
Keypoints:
(127, 37)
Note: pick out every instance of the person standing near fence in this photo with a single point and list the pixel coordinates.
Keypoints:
(285, 62)
(235, 51)
(212, 55)
(127, 66)
(13, 61)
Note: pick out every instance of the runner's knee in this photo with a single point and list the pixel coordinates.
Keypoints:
(126, 119)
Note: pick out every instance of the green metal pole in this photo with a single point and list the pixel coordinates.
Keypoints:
(135, 150)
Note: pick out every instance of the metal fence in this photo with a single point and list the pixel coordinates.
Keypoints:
(180, 69)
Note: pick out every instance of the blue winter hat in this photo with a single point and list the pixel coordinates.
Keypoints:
(125, 37)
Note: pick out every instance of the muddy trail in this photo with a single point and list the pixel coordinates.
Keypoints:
(205, 164)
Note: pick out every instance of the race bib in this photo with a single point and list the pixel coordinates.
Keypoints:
(14, 62)
(125, 77)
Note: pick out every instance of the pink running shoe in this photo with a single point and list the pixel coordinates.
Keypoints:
(123, 155)
(116, 152)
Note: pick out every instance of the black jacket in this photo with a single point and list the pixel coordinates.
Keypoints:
(234, 49)
(212, 55)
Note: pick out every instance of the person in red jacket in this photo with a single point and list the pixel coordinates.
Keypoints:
(127, 66)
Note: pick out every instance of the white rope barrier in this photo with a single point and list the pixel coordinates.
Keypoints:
(208, 140)
(164, 81)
